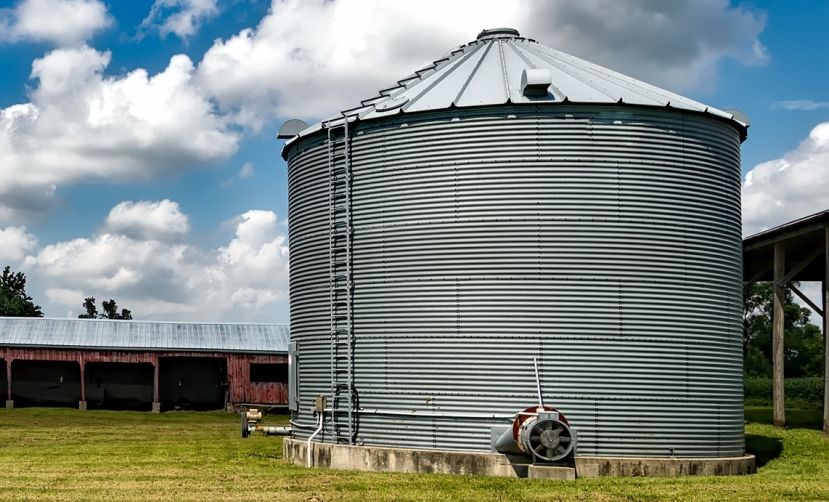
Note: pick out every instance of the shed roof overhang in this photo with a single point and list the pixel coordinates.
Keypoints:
(804, 242)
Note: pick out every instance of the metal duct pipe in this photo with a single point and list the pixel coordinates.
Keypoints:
(311, 438)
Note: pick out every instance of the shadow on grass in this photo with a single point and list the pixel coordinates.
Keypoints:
(764, 448)
(798, 418)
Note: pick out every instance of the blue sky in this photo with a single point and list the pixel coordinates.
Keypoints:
(183, 217)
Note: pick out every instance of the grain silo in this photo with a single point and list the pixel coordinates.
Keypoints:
(513, 224)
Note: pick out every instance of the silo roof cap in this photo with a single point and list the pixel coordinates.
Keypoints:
(498, 33)
(502, 67)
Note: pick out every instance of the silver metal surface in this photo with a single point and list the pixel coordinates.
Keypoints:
(291, 128)
(105, 334)
(488, 71)
(603, 240)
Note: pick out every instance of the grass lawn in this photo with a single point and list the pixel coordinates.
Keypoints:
(61, 454)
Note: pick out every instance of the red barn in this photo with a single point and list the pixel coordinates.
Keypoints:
(112, 364)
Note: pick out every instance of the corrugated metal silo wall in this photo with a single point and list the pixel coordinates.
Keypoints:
(604, 240)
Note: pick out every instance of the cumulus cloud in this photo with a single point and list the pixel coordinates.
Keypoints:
(160, 220)
(179, 17)
(61, 22)
(81, 125)
(289, 66)
(245, 279)
(789, 187)
(675, 44)
(15, 244)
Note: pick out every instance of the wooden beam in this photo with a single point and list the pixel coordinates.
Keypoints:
(155, 382)
(777, 358)
(83, 382)
(817, 310)
(826, 332)
(803, 264)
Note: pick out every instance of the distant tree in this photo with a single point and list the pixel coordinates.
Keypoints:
(803, 346)
(110, 310)
(90, 309)
(14, 302)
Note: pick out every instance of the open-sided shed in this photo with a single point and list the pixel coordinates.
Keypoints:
(793, 252)
(142, 364)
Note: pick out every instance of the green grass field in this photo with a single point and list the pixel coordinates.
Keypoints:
(59, 454)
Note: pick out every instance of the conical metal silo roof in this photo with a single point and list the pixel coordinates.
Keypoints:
(502, 67)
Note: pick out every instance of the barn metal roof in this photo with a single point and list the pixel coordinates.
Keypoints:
(502, 67)
(107, 334)
(802, 238)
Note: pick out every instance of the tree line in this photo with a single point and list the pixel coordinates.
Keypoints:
(15, 302)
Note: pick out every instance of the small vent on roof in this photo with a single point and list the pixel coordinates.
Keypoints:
(739, 116)
(535, 82)
(291, 128)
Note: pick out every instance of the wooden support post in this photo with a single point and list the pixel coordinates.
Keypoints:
(826, 332)
(9, 401)
(777, 358)
(82, 404)
(156, 400)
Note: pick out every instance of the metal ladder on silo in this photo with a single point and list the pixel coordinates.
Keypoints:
(342, 412)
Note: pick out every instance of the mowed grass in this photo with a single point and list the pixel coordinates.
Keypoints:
(61, 454)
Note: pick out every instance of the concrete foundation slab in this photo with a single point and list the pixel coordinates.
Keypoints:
(382, 459)
(82, 405)
(9, 404)
(375, 458)
(551, 472)
(156, 407)
(594, 467)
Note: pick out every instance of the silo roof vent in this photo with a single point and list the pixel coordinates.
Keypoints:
(535, 81)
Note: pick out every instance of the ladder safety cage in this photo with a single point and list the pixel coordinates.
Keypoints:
(341, 287)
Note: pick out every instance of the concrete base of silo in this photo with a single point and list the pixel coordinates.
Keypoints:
(383, 459)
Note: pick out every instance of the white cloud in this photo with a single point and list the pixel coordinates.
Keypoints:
(246, 279)
(179, 17)
(246, 171)
(803, 104)
(312, 58)
(15, 244)
(161, 220)
(81, 125)
(62, 22)
(789, 187)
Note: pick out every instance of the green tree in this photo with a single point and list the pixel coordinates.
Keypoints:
(110, 310)
(91, 311)
(803, 342)
(13, 298)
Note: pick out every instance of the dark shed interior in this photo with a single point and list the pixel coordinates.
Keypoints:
(119, 386)
(193, 382)
(49, 383)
